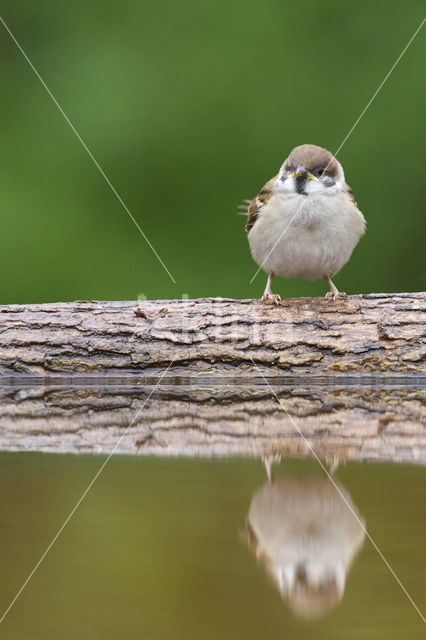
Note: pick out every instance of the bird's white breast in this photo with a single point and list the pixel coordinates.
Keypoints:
(306, 236)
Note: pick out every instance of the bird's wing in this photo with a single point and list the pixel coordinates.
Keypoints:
(349, 192)
(257, 204)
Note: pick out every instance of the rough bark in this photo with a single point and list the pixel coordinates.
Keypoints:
(214, 353)
(376, 334)
(350, 422)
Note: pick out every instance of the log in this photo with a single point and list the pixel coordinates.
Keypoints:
(350, 374)
(369, 335)
(351, 422)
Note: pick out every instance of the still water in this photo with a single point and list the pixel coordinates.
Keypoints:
(170, 548)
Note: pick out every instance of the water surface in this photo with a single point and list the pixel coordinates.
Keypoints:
(160, 549)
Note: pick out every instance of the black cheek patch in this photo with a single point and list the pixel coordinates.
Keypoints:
(329, 182)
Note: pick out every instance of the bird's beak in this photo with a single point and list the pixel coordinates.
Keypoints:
(301, 175)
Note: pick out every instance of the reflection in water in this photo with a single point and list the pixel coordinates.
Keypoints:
(305, 537)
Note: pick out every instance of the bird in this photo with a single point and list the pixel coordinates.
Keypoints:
(305, 221)
(305, 533)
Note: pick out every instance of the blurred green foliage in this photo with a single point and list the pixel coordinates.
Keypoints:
(189, 107)
(158, 550)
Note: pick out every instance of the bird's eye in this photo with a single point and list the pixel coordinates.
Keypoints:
(320, 172)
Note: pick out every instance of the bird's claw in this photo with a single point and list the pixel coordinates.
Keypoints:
(271, 297)
(335, 295)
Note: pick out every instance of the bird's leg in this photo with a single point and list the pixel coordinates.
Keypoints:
(334, 291)
(267, 294)
(332, 463)
(268, 460)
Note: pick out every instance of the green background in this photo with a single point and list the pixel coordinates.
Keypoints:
(189, 107)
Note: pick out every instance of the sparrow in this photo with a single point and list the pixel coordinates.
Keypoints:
(305, 222)
(305, 536)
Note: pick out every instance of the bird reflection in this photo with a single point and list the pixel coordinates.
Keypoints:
(305, 536)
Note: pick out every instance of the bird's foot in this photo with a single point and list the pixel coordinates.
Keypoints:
(271, 297)
(335, 295)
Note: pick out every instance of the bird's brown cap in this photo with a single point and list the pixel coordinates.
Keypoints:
(312, 157)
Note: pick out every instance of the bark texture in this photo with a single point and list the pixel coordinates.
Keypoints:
(350, 422)
(213, 354)
(376, 334)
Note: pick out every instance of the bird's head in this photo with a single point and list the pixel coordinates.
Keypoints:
(311, 170)
(311, 589)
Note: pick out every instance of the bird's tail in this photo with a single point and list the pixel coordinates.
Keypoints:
(243, 208)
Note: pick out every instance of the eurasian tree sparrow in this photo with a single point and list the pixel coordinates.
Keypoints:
(305, 222)
(305, 537)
